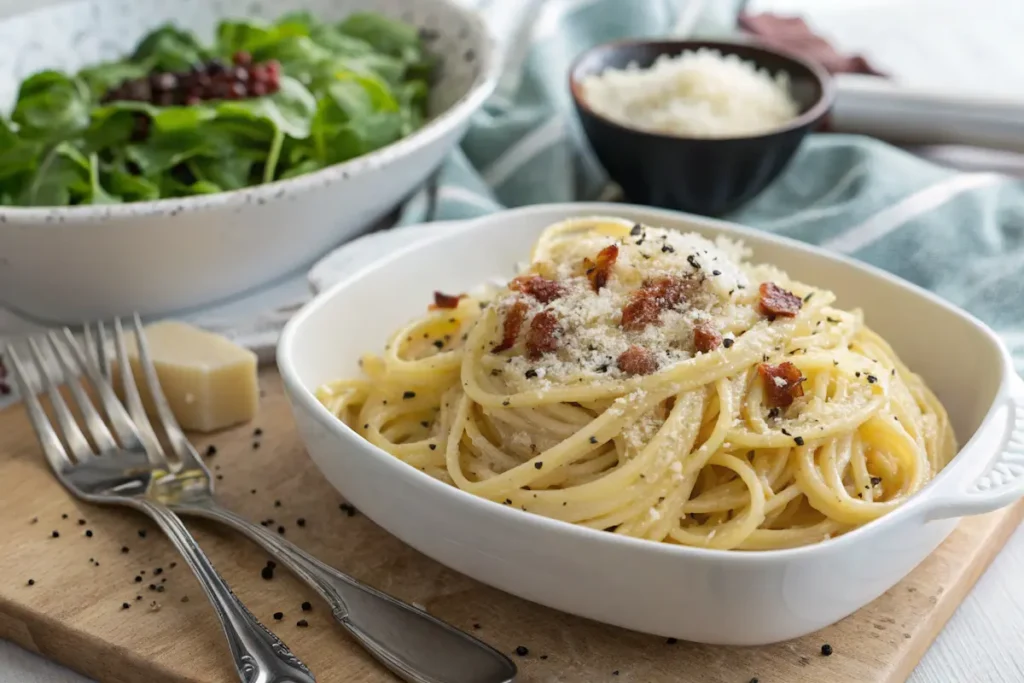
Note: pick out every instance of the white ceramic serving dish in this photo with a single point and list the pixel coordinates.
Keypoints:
(720, 597)
(74, 263)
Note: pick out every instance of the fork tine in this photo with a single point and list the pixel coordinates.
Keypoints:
(175, 436)
(94, 424)
(119, 419)
(102, 358)
(133, 401)
(53, 449)
(73, 436)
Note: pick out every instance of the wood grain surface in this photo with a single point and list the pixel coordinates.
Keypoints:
(74, 611)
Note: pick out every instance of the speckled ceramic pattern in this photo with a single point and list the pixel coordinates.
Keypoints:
(74, 263)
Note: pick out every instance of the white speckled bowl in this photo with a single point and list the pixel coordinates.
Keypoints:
(74, 263)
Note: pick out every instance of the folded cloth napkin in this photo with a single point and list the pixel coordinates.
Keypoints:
(960, 235)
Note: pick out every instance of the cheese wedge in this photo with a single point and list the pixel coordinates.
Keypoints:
(210, 382)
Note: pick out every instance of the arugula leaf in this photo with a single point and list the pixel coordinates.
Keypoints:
(229, 172)
(169, 48)
(97, 195)
(131, 188)
(18, 156)
(51, 105)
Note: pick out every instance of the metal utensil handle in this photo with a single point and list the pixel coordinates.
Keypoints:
(416, 646)
(258, 654)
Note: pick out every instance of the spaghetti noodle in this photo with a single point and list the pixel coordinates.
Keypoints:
(655, 384)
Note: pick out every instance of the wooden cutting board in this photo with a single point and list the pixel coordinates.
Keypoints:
(74, 611)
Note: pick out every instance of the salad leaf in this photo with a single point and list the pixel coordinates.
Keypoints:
(63, 177)
(290, 109)
(169, 48)
(97, 195)
(391, 37)
(51, 105)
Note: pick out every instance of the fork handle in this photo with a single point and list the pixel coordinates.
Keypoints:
(416, 646)
(259, 656)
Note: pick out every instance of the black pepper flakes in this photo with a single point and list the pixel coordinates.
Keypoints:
(142, 533)
(306, 607)
(826, 650)
(543, 656)
(872, 379)
(615, 673)
(124, 549)
(55, 534)
(158, 571)
(302, 623)
(875, 481)
(267, 573)
(88, 533)
(476, 627)
(64, 516)
(438, 344)
(669, 249)
(211, 451)
(172, 565)
(301, 521)
(257, 432)
(159, 589)
(31, 582)
(278, 616)
(798, 440)
(671, 641)
(593, 439)
(280, 530)
(348, 509)
(531, 373)
(692, 260)
(785, 431)
(433, 446)
(255, 445)
(716, 272)
(773, 413)
(277, 503)
(252, 491)
(138, 579)
(125, 605)
(636, 230)
(538, 464)
(728, 342)
(408, 394)
(522, 650)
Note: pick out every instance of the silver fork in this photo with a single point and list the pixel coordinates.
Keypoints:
(416, 646)
(123, 474)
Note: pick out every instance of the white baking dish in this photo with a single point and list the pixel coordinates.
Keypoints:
(726, 597)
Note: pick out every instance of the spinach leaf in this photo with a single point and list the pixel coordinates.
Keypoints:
(169, 48)
(51, 105)
(131, 188)
(63, 178)
(102, 77)
(391, 37)
(229, 172)
(290, 109)
(18, 156)
(97, 195)
(357, 115)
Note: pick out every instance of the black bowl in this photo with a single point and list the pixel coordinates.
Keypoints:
(709, 176)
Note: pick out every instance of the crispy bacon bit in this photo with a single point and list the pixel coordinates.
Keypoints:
(706, 338)
(600, 270)
(777, 301)
(442, 300)
(542, 336)
(646, 304)
(510, 328)
(636, 360)
(782, 383)
(540, 288)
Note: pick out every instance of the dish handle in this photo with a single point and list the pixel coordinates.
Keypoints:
(1001, 479)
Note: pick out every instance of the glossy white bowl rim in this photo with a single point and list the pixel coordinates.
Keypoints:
(483, 85)
(314, 408)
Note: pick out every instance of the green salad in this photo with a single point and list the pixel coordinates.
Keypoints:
(266, 101)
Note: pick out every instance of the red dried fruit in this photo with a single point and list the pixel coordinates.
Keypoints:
(542, 336)
(600, 270)
(540, 288)
(706, 337)
(777, 301)
(510, 328)
(636, 360)
(782, 383)
(442, 300)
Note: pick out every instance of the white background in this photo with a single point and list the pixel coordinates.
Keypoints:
(970, 45)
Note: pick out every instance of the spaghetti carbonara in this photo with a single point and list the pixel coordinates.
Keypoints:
(654, 384)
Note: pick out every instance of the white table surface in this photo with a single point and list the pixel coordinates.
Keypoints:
(982, 641)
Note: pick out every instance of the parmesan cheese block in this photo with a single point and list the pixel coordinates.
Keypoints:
(210, 382)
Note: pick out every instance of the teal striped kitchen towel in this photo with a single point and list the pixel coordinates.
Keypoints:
(960, 235)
